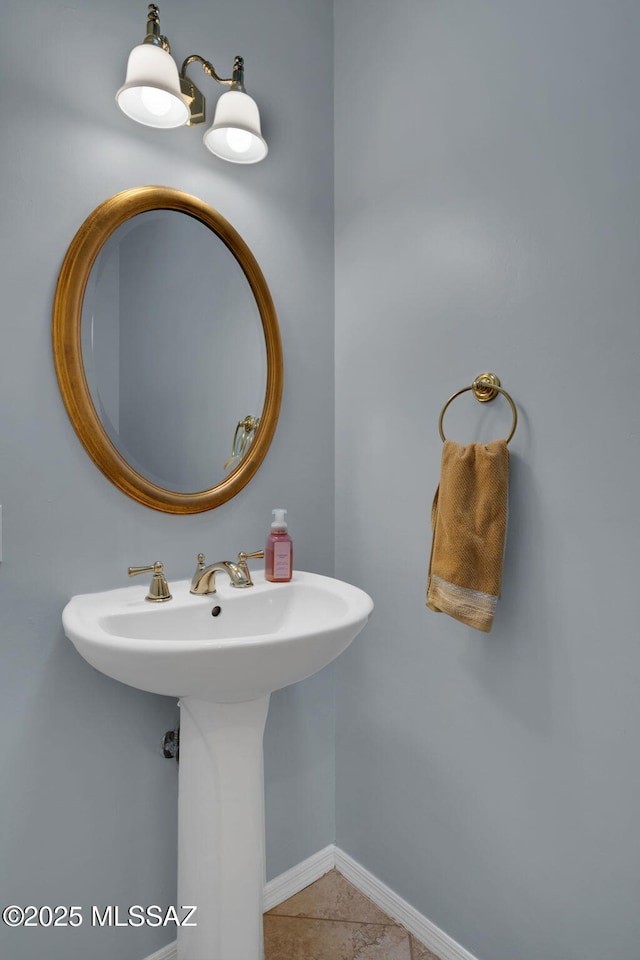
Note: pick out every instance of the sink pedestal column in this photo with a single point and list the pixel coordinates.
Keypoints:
(221, 863)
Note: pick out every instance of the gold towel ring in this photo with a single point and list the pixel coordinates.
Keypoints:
(486, 386)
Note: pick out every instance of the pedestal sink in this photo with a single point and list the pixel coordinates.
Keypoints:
(222, 655)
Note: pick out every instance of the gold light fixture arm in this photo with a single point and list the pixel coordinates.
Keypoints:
(195, 97)
(209, 69)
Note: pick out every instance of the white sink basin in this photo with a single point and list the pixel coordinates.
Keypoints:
(263, 638)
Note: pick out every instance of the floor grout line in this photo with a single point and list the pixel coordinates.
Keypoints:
(367, 923)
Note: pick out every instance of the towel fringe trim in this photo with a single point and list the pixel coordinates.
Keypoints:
(472, 607)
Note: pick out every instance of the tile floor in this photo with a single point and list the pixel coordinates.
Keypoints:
(331, 920)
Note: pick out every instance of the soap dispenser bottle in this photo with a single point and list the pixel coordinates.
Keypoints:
(278, 553)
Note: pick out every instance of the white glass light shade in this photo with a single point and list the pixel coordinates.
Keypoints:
(235, 133)
(151, 92)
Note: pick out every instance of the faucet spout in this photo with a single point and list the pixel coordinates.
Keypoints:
(204, 581)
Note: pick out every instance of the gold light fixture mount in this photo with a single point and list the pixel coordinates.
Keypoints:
(153, 29)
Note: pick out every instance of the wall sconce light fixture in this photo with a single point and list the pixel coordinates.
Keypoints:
(155, 94)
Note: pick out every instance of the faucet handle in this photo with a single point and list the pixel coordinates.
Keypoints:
(242, 562)
(243, 557)
(159, 589)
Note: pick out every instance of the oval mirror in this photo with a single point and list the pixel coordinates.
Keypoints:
(167, 349)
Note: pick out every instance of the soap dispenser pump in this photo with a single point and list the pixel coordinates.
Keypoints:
(278, 552)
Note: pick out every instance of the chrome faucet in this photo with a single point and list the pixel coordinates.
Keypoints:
(204, 579)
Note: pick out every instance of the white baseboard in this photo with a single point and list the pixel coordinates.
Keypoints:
(398, 909)
(292, 881)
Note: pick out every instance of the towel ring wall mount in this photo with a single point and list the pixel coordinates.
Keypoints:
(485, 387)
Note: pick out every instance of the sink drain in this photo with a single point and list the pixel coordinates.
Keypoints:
(216, 611)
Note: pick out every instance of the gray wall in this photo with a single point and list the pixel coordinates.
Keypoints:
(487, 212)
(87, 805)
(490, 780)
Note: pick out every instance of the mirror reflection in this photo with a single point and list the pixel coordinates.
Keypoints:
(173, 350)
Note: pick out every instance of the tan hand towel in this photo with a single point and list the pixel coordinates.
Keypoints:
(469, 522)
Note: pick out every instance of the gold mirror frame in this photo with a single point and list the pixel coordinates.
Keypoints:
(67, 352)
